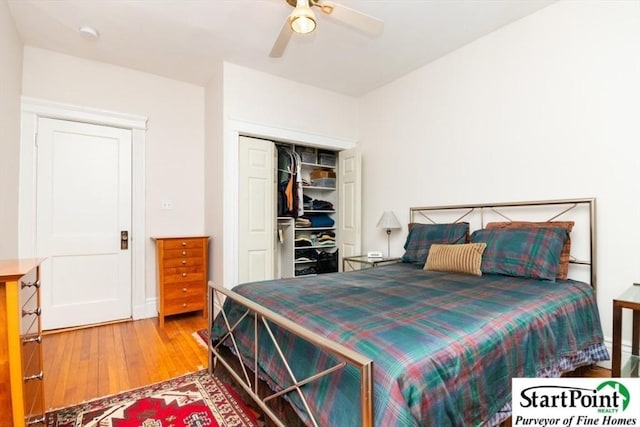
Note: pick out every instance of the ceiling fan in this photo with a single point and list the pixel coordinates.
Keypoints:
(303, 21)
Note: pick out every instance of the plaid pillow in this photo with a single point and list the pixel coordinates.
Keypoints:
(522, 252)
(422, 236)
(565, 255)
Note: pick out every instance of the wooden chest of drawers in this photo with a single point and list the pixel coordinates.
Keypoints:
(182, 275)
(21, 375)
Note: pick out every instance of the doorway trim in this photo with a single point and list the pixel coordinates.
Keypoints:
(233, 129)
(34, 109)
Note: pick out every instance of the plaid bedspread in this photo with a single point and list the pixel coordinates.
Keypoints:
(445, 346)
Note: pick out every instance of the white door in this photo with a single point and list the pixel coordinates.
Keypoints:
(257, 210)
(349, 206)
(83, 205)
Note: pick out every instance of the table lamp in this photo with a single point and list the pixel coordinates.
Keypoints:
(389, 222)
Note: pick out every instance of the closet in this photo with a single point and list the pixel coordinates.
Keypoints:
(307, 205)
(299, 208)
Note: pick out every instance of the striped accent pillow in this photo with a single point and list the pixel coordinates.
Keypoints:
(464, 258)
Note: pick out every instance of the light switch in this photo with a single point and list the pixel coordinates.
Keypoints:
(166, 204)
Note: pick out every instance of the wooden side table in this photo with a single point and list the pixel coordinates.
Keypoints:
(21, 356)
(630, 299)
(365, 260)
(182, 275)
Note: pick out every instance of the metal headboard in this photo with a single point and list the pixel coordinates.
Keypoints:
(479, 214)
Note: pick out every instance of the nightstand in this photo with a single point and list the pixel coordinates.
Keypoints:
(630, 299)
(364, 261)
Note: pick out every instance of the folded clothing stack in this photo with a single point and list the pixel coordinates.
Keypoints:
(321, 205)
(322, 220)
(326, 238)
(305, 255)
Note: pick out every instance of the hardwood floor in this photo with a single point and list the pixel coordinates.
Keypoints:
(88, 363)
(83, 364)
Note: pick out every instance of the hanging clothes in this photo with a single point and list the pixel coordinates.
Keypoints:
(290, 181)
(287, 191)
(299, 197)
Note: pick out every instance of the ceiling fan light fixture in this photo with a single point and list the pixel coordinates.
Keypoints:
(302, 20)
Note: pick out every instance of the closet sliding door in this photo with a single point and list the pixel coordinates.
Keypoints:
(257, 209)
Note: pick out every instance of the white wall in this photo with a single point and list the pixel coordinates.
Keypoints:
(174, 138)
(545, 108)
(11, 86)
(260, 104)
(214, 180)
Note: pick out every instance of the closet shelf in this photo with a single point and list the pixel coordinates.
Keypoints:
(318, 165)
(314, 228)
(297, 248)
(318, 211)
(312, 187)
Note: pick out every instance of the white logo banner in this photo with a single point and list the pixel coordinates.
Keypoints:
(575, 402)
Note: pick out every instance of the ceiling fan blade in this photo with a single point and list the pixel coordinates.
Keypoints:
(360, 21)
(282, 41)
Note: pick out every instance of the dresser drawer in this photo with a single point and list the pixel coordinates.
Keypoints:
(31, 359)
(183, 262)
(30, 316)
(29, 289)
(33, 401)
(30, 326)
(184, 243)
(193, 268)
(184, 303)
(176, 290)
(183, 277)
(183, 253)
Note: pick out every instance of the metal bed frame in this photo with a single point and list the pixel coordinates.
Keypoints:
(346, 356)
(560, 207)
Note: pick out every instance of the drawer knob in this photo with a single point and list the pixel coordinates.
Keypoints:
(37, 339)
(35, 284)
(37, 376)
(184, 253)
(184, 274)
(35, 421)
(37, 312)
(184, 289)
(184, 305)
(184, 243)
(184, 262)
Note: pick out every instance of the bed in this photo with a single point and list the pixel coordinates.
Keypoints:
(398, 345)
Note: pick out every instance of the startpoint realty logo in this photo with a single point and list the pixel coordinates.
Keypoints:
(575, 402)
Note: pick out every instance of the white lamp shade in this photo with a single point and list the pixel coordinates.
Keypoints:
(388, 221)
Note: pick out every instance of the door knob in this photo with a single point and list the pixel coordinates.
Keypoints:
(124, 240)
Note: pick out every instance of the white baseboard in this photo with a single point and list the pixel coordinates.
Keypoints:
(149, 309)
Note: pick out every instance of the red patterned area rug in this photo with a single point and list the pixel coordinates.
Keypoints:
(202, 337)
(193, 400)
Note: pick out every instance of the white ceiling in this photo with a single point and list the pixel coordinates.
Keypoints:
(185, 39)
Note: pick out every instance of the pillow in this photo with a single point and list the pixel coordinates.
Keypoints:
(522, 252)
(565, 254)
(465, 258)
(422, 236)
